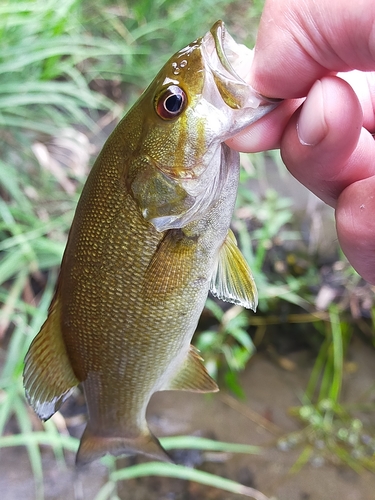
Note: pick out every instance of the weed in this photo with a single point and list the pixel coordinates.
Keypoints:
(330, 432)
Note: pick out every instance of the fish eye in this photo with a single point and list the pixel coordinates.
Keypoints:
(171, 102)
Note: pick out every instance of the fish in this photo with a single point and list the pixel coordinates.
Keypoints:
(149, 240)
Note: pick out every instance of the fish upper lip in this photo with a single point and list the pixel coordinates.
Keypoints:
(222, 45)
(230, 63)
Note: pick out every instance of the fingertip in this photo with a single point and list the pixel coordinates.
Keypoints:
(330, 110)
(311, 124)
(355, 214)
(320, 139)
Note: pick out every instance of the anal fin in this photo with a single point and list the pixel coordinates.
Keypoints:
(48, 376)
(192, 375)
(232, 279)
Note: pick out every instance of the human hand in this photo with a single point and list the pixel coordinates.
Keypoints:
(326, 142)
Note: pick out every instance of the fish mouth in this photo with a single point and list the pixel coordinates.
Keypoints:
(229, 63)
(227, 49)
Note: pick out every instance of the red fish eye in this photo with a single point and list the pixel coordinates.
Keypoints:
(171, 102)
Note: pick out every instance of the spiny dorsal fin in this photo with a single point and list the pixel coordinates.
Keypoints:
(170, 267)
(232, 279)
(193, 375)
(94, 446)
(48, 376)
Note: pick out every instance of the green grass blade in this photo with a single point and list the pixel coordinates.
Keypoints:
(53, 439)
(317, 370)
(6, 402)
(198, 443)
(33, 450)
(181, 472)
(338, 356)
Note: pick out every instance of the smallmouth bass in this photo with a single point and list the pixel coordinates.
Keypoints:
(150, 238)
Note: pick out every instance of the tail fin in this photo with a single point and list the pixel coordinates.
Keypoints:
(94, 446)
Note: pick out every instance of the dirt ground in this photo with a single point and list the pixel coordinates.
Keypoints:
(270, 391)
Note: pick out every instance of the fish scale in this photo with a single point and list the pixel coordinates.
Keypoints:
(149, 239)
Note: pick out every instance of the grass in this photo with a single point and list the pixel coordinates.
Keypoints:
(330, 431)
(68, 69)
(108, 491)
(175, 471)
(51, 437)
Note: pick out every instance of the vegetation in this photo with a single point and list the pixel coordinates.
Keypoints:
(67, 70)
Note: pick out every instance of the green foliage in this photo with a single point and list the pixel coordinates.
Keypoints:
(259, 221)
(141, 25)
(11, 389)
(108, 491)
(41, 86)
(229, 344)
(263, 222)
(330, 432)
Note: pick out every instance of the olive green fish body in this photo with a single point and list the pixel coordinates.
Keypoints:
(139, 294)
(149, 240)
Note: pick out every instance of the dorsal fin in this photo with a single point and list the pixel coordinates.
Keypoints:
(232, 279)
(192, 376)
(48, 376)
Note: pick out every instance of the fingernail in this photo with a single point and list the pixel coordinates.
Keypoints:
(311, 125)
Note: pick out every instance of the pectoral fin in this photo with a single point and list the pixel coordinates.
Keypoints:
(48, 376)
(232, 279)
(170, 267)
(192, 376)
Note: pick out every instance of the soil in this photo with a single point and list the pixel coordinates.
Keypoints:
(272, 386)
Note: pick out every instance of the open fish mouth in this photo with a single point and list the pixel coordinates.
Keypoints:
(230, 53)
(230, 63)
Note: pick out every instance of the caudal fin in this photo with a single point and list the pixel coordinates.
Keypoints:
(93, 446)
